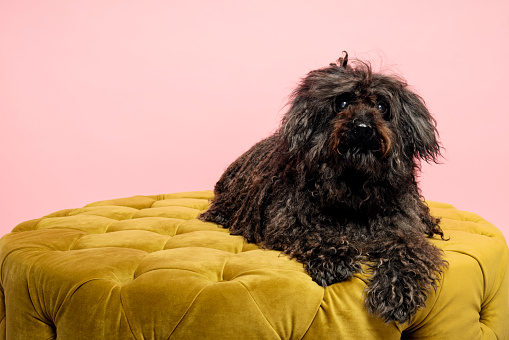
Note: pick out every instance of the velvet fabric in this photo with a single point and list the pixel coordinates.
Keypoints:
(145, 268)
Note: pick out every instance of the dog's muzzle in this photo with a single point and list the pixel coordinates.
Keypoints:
(362, 136)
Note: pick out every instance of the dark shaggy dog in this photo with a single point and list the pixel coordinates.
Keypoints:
(335, 187)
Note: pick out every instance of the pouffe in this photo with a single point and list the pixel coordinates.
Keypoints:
(144, 267)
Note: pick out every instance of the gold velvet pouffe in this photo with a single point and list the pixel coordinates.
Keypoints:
(145, 268)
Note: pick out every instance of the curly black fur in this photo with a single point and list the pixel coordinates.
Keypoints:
(335, 187)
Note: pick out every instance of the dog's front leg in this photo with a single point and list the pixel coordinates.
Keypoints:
(403, 272)
(303, 232)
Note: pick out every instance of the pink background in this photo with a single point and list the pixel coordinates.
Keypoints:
(107, 99)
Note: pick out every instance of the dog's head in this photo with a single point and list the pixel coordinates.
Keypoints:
(361, 117)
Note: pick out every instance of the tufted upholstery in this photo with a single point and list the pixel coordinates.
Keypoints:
(144, 268)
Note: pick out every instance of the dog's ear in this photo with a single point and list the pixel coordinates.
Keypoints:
(419, 128)
(308, 112)
(297, 125)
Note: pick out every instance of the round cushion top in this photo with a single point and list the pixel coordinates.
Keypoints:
(144, 267)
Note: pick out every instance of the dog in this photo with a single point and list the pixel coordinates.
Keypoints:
(335, 187)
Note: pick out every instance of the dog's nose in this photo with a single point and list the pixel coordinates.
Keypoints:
(363, 130)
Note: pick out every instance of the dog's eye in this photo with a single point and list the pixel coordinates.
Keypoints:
(382, 107)
(342, 105)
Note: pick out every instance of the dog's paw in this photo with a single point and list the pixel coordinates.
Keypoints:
(327, 272)
(394, 299)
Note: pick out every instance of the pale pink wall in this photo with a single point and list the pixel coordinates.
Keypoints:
(110, 98)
